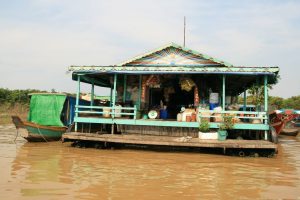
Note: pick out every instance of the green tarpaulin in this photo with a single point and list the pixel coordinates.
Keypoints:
(45, 109)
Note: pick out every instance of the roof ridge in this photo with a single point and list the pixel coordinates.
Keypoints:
(172, 44)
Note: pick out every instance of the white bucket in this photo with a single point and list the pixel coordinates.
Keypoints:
(179, 117)
(118, 110)
(214, 98)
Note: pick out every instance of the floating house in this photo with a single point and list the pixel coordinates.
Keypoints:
(167, 93)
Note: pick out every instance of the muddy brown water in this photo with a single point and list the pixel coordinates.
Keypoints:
(58, 171)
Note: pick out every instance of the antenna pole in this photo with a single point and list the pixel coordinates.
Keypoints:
(184, 33)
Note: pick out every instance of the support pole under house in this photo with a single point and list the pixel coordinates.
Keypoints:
(114, 101)
(140, 92)
(92, 94)
(245, 100)
(124, 86)
(77, 101)
(266, 102)
(223, 91)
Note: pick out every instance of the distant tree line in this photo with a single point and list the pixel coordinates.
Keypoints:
(13, 97)
(275, 102)
(289, 103)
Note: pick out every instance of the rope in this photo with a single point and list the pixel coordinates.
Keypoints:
(41, 134)
(16, 135)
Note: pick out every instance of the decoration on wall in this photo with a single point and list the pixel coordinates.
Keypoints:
(186, 84)
(196, 96)
(143, 94)
(153, 81)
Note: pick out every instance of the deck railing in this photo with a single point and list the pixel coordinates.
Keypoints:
(105, 110)
(116, 115)
(243, 115)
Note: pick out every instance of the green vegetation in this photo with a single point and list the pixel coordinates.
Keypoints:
(292, 102)
(204, 126)
(275, 102)
(14, 102)
(227, 123)
(13, 97)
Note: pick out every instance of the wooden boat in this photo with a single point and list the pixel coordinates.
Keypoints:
(280, 118)
(297, 122)
(50, 115)
(38, 133)
(290, 131)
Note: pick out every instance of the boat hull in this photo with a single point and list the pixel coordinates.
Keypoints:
(39, 133)
(290, 132)
(278, 120)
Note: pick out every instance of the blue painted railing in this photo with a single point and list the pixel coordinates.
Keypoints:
(112, 110)
(234, 114)
(97, 113)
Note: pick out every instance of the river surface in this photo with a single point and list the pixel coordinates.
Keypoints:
(58, 171)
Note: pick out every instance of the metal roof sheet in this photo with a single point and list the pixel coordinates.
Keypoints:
(174, 69)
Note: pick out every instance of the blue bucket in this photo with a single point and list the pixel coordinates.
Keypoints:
(213, 105)
(163, 114)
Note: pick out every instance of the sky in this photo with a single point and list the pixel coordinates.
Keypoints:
(39, 39)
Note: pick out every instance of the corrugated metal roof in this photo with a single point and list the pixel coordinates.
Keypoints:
(171, 53)
(173, 58)
(175, 69)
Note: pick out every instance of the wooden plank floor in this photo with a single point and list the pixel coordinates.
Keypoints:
(169, 141)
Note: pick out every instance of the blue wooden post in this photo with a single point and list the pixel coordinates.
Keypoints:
(223, 93)
(110, 101)
(92, 94)
(140, 92)
(266, 92)
(134, 113)
(245, 100)
(257, 85)
(114, 95)
(266, 101)
(77, 100)
(124, 86)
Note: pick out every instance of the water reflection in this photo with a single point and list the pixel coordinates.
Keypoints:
(56, 170)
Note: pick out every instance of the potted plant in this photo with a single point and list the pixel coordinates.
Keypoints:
(204, 131)
(227, 124)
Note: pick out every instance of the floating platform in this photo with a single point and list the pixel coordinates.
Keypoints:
(187, 142)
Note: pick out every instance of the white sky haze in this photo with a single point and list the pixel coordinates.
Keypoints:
(39, 39)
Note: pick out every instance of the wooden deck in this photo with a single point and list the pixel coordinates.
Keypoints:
(169, 141)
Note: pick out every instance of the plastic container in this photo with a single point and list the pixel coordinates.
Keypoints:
(163, 114)
(193, 117)
(222, 135)
(179, 117)
(106, 112)
(145, 116)
(118, 110)
(188, 118)
(213, 106)
(214, 98)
